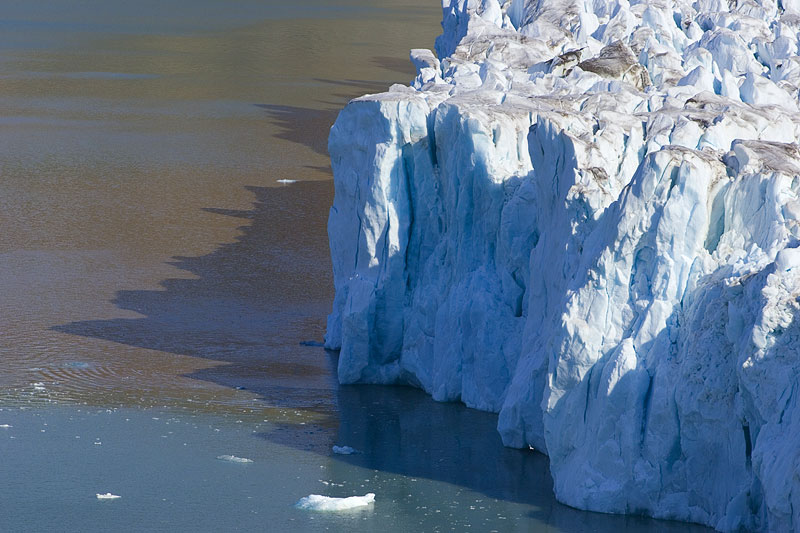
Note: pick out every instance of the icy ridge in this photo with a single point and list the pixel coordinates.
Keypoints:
(584, 215)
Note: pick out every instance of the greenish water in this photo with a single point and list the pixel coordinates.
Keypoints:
(159, 283)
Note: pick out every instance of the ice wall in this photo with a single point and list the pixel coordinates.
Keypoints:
(584, 215)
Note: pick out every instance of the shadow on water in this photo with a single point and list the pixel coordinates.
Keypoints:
(249, 304)
(302, 125)
(395, 64)
(310, 127)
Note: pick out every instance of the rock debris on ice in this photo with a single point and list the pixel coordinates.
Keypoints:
(585, 216)
(316, 502)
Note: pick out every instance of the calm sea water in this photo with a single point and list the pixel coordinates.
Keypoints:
(162, 292)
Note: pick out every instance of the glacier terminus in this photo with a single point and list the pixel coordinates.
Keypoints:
(584, 215)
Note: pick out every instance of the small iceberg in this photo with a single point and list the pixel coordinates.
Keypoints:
(286, 181)
(234, 459)
(108, 496)
(344, 450)
(316, 502)
(6, 426)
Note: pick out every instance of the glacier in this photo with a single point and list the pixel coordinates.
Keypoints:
(584, 215)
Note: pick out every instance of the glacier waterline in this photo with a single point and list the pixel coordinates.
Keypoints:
(584, 216)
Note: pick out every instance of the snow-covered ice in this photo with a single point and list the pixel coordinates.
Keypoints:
(316, 502)
(585, 216)
(234, 459)
(108, 496)
(343, 450)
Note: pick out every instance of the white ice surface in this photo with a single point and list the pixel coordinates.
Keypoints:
(108, 496)
(316, 502)
(585, 216)
(234, 459)
(344, 450)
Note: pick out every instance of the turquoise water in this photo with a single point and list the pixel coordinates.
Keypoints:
(164, 294)
(433, 467)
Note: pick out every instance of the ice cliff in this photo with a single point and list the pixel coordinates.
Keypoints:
(584, 215)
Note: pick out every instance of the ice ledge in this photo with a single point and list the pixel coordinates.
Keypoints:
(584, 217)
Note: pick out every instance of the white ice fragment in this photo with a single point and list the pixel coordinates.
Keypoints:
(286, 181)
(108, 496)
(234, 459)
(316, 502)
(6, 426)
(344, 450)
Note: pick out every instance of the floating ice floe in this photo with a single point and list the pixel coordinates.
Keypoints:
(108, 496)
(286, 181)
(234, 459)
(316, 502)
(6, 426)
(344, 450)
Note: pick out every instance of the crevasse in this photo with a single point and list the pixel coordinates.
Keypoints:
(584, 215)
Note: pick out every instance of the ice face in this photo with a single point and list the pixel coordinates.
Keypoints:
(585, 216)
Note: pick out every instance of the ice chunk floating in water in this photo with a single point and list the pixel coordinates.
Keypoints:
(108, 496)
(344, 450)
(316, 502)
(234, 459)
(585, 216)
